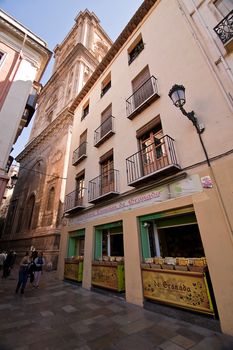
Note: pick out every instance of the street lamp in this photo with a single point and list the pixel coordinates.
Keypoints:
(177, 95)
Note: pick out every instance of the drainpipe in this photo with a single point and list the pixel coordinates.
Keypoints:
(212, 67)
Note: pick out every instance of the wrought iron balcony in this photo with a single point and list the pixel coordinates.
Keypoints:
(105, 131)
(74, 201)
(155, 160)
(104, 186)
(80, 153)
(224, 29)
(142, 97)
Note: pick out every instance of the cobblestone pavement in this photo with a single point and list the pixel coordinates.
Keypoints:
(61, 315)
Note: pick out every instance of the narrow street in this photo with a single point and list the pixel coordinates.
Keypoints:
(61, 315)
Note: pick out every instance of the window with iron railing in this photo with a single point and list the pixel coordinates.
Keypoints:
(81, 152)
(224, 29)
(106, 84)
(137, 48)
(85, 110)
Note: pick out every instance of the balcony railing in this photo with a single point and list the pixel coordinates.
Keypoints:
(104, 186)
(224, 29)
(80, 153)
(142, 97)
(155, 160)
(105, 131)
(74, 201)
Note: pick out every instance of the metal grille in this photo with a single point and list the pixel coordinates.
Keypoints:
(224, 29)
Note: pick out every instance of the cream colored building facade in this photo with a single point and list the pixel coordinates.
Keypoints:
(23, 59)
(37, 204)
(140, 191)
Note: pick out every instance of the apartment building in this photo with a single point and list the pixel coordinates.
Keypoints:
(148, 195)
(23, 59)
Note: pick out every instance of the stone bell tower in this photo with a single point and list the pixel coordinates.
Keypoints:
(34, 215)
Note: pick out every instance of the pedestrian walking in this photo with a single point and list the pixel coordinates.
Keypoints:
(23, 273)
(8, 264)
(2, 259)
(39, 262)
(32, 266)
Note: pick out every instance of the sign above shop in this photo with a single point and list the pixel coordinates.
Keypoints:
(184, 187)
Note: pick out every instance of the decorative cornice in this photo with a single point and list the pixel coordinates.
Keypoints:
(65, 115)
(123, 37)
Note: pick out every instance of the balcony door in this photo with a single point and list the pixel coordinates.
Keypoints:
(142, 87)
(107, 176)
(79, 194)
(154, 155)
(106, 121)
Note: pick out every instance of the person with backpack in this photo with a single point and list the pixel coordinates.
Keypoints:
(39, 262)
(23, 273)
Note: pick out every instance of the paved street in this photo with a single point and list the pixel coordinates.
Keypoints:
(61, 315)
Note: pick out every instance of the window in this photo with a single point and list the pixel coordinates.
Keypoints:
(109, 240)
(112, 244)
(224, 6)
(1, 56)
(76, 244)
(51, 198)
(152, 146)
(174, 236)
(106, 121)
(85, 110)
(135, 49)
(107, 173)
(79, 194)
(29, 212)
(142, 87)
(82, 144)
(106, 84)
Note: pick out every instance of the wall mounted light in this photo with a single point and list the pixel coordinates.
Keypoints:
(177, 95)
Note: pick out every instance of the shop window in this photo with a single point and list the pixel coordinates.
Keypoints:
(171, 237)
(85, 110)
(224, 6)
(76, 244)
(109, 241)
(135, 49)
(106, 84)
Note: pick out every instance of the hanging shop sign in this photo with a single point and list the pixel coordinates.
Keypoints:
(182, 289)
(184, 187)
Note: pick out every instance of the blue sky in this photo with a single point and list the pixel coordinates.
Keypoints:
(51, 20)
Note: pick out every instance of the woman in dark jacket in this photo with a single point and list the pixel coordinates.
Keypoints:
(23, 273)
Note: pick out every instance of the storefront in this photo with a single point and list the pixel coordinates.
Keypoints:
(108, 264)
(174, 268)
(74, 261)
